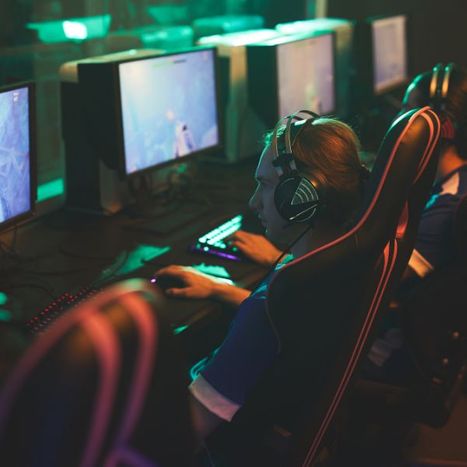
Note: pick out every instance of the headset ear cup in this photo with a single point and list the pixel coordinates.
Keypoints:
(296, 199)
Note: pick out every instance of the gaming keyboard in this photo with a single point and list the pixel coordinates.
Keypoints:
(214, 242)
(39, 322)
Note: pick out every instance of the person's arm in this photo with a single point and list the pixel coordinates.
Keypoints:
(256, 247)
(202, 286)
(204, 421)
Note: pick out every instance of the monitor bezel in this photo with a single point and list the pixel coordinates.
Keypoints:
(372, 72)
(20, 218)
(302, 37)
(119, 114)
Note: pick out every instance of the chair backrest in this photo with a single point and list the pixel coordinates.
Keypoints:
(100, 386)
(324, 304)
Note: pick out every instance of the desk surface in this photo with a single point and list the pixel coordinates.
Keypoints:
(65, 251)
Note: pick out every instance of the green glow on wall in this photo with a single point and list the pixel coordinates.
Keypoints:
(50, 189)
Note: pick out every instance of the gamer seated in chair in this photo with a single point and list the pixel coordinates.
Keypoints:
(309, 184)
(444, 88)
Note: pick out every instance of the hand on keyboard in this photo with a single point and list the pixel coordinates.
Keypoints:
(214, 242)
(255, 247)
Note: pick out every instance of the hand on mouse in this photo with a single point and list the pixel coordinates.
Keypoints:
(255, 247)
(193, 284)
(201, 286)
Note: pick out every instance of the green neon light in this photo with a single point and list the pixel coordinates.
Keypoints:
(75, 30)
(3, 298)
(72, 29)
(179, 329)
(50, 189)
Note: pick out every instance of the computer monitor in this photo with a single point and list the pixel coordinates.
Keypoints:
(134, 111)
(389, 52)
(17, 154)
(290, 73)
(168, 108)
(242, 130)
(343, 34)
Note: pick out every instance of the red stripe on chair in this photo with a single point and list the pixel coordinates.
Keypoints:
(148, 337)
(108, 353)
(403, 221)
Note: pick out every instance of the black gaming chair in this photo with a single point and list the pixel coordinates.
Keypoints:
(101, 387)
(325, 305)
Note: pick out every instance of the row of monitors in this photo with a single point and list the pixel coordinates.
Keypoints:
(148, 110)
(162, 108)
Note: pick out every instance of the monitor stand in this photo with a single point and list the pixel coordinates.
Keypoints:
(162, 214)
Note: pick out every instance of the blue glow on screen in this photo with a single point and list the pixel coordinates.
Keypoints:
(15, 177)
(168, 108)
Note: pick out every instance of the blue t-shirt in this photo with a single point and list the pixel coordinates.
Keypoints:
(434, 246)
(249, 349)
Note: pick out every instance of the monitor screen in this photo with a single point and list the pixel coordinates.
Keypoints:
(389, 52)
(306, 75)
(16, 180)
(168, 108)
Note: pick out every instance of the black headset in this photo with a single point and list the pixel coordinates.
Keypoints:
(297, 198)
(435, 96)
(439, 85)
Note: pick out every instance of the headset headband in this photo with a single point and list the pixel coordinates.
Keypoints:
(434, 79)
(447, 76)
(439, 89)
(283, 152)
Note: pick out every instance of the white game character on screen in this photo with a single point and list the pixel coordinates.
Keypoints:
(184, 142)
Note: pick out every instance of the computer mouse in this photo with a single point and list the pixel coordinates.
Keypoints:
(167, 282)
